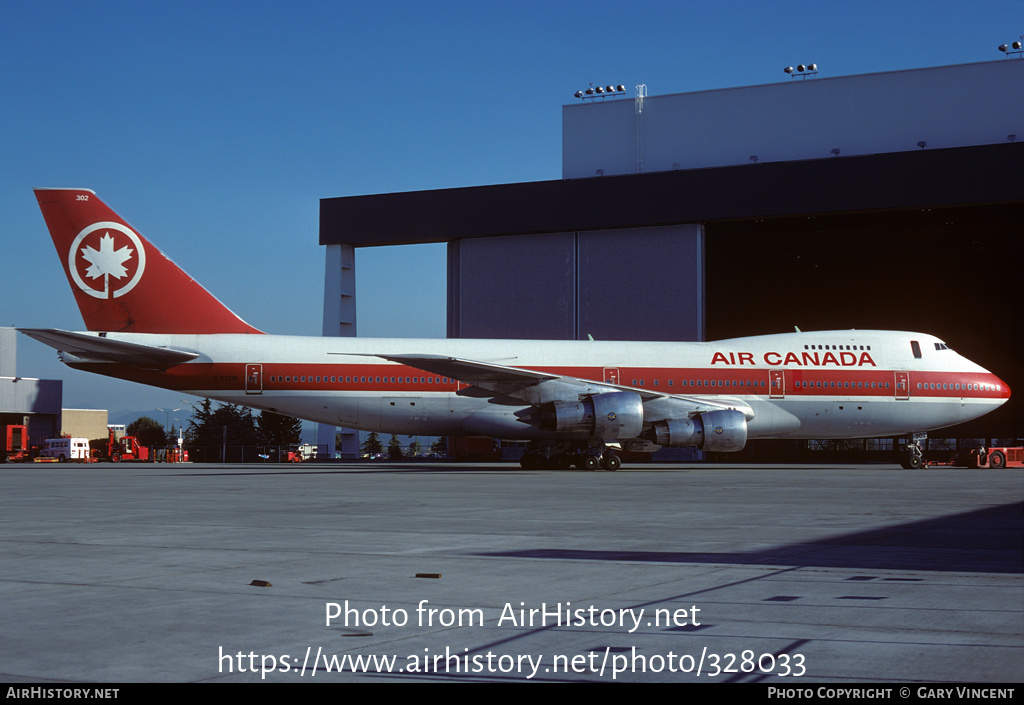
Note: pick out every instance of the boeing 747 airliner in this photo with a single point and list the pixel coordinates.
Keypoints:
(574, 401)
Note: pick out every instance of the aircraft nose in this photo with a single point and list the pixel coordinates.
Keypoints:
(1002, 389)
(994, 390)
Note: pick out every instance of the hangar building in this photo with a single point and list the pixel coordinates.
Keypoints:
(35, 403)
(890, 200)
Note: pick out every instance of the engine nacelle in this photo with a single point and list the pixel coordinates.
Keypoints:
(613, 415)
(715, 431)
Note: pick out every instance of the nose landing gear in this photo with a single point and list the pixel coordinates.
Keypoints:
(913, 458)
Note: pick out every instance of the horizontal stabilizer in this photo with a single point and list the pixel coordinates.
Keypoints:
(94, 348)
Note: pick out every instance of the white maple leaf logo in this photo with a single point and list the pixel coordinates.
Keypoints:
(109, 263)
(106, 261)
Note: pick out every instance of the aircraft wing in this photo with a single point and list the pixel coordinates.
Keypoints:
(470, 371)
(93, 348)
(538, 387)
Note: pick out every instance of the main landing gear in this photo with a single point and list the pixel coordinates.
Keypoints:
(563, 457)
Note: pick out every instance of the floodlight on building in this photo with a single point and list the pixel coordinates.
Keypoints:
(753, 159)
(601, 91)
(922, 144)
(1013, 48)
(835, 151)
(1011, 138)
(802, 70)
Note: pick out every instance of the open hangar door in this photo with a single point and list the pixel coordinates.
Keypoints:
(954, 272)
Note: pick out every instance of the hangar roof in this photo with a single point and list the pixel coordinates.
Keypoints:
(926, 178)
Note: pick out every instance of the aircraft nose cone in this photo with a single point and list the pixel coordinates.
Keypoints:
(995, 391)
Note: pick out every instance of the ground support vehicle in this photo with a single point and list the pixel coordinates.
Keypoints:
(67, 450)
(14, 448)
(996, 457)
(123, 448)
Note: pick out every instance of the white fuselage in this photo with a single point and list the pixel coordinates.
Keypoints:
(830, 384)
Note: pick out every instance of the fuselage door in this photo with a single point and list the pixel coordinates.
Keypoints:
(253, 379)
(902, 385)
(611, 375)
(777, 384)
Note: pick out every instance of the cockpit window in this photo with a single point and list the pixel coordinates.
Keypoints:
(941, 346)
(916, 347)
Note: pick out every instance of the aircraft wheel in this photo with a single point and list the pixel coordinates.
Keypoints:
(591, 463)
(913, 462)
(612, 462)
(997, 461)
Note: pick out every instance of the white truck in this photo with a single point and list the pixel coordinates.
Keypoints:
(75, 450)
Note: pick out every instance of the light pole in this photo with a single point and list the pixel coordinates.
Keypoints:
(167, 421)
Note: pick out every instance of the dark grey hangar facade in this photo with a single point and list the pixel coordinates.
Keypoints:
(891, 200)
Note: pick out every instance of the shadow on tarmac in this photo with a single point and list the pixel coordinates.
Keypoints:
(982, 541)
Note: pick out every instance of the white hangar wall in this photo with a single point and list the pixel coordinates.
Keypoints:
(948, 106)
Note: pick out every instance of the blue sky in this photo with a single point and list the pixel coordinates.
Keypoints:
(214, 128)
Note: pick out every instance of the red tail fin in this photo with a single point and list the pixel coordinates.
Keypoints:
(121, 281)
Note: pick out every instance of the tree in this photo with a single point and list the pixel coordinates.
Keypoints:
(206, 428)
(198, 425)
(371, 446)
(148, 431)
(414, 447)
(440, 446)
(394, 448)
(278, 430)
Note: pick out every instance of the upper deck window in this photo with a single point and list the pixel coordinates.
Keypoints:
(916, 347)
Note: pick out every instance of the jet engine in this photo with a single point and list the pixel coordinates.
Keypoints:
(724, 430)
(613, 415)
